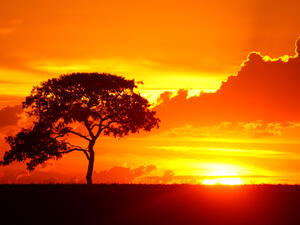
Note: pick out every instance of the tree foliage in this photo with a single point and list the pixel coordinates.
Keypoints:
(103, 104)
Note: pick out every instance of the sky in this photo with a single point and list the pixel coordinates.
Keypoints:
(241, 56)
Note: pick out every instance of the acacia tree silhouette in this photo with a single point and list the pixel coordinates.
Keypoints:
(103, 104)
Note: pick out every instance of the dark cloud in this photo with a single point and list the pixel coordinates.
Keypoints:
(122, 174)
(9, 115)
(264, 89)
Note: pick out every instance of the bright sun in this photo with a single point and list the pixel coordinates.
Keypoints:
(224, 177)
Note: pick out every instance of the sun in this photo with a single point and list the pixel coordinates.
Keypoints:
(223, 177)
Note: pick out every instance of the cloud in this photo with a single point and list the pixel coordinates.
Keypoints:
(7, 30)
(13, 175)
(255, 129)
(9, 115)
(47, 174)
(264, 89)
(198, 152)
(262, 129)
(122, 174)
(19, 63)
(11, 27)
(10, 100)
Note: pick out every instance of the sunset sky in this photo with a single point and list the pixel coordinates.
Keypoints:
(241, 55)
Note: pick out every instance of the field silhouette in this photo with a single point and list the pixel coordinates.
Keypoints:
(150, 204)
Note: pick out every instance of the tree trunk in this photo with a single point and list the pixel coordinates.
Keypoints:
(89, 173)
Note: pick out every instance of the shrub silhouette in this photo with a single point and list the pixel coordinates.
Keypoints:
(104, 104)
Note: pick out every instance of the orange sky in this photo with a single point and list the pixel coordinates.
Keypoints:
(249, 126)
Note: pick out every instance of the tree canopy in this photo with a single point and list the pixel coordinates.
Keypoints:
(104, 104)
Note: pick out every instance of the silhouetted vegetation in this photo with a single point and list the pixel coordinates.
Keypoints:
(102, 104)
(150, 204)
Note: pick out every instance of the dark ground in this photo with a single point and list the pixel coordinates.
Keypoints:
(149, 204)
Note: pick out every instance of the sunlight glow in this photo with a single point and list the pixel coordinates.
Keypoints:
(223, 177)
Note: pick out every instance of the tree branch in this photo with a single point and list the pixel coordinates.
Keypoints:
(89, 129)
(87, 155)
(74, 146)
(75, 149)
(109, 123)
(78, 134)
(72, 132)
(95, 125)
(78, 148)
(100, 128)
(60, 135)
(105, 127)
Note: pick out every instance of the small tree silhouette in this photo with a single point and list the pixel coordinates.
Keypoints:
(103, 104)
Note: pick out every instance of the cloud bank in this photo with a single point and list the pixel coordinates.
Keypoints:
(264, 89)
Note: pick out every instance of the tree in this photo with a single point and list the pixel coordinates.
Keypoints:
(98, 104)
